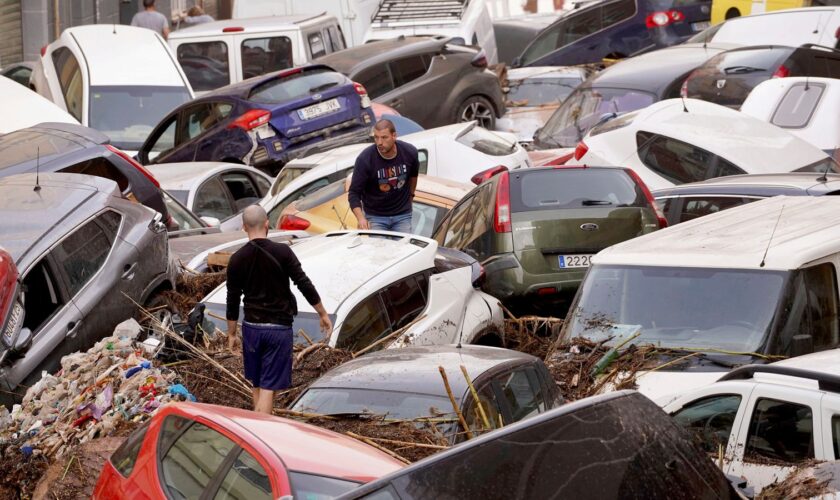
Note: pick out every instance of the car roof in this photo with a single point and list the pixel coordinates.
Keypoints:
(824, 361)
(249, 25)
(302, 447)
(445, 188)
(186, 176)
(545, 72)
(27, 215)
(143, 56)
(24, 108)
(758, 185)
(803, 229)
(371, 53)
(414, 369)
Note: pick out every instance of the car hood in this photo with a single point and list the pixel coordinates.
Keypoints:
(665, 386)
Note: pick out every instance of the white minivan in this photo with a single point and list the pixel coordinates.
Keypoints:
(750, 284)
(220, 53)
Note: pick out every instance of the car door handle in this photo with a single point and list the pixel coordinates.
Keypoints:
(73, 328)
(128, 271)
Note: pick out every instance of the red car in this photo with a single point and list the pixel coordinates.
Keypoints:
(192, 451)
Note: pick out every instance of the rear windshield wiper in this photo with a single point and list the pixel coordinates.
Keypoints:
(741, 69)
(325, 86)
(589, 203)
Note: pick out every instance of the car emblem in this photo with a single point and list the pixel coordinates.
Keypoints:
(704, 9)
(589, 226)
(720, 84)
(316, 97)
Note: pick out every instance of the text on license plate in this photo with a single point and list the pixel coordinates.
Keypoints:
(700, 26)
(567, 261)
(319, 109)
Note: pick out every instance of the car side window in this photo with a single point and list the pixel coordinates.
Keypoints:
(725, 168)
(245, 479)
(478, 224)
(404, 301)
(489, 410)
(337, 38)
(84, 251)
(614, 12)
(376, 80)
(242, 189)
(579, 26)
(205, 64)
(780, 430)
(263, 185)
(423, 160)
(274, 213)
(367, 323)
(199, 118)
(835, 435)
(821, 287)
(211, 200)
(676, 161)
(165, 141)
(264, 55)
(694, 207)
(519, 394)
(408, 69)
(424, 217)
(42, 295)
(70, 80)
(193, 460)
(317, 48)
(546, 42)
(709, 419)
(457, 225)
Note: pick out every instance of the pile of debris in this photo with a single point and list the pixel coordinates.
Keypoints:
(190, 288)
(809, 480)
(532, 335)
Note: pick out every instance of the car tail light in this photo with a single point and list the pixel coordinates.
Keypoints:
(43, 50)
(9, 320)
(548, 290)
(581, 150)
(487, 174)
(362, 91)
(837, 33)
(251, 119)
(480, 59)
(660, 215)
(663, 18)
(233, 29)
(293, 223)
(501, 219)
(782, 72)
(122, 154)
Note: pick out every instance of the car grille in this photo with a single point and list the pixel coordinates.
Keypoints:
(324, 131)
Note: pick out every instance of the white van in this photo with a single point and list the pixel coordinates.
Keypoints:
(468, 20)
(353, 15)
(750, 284)
(220, 53)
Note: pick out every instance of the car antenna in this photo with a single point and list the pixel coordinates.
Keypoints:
(763, 258)
(685, 109)
(115, 29)
(824, 176)
(37, 168)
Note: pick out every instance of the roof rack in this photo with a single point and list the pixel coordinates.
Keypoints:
(825, 381)
(397, 11)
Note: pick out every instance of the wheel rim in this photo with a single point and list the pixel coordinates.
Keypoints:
(479, 112)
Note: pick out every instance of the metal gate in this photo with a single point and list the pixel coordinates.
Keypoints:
(11, 40)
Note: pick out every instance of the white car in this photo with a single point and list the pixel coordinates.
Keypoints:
(804, 106)
(23, 108)
(455, 152)
(687, 140)
(765, 421)
(373, 283)
(117, 79)
(791, 27)
(214, 191)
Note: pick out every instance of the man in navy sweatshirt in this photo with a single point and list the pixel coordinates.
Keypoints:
(384, 180)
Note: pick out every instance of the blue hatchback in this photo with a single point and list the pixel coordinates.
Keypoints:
(265, 121)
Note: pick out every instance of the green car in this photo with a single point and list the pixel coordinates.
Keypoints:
(534, 230)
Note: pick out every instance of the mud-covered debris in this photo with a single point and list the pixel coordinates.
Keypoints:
(806, 481)
(531, 334)
(190, 289)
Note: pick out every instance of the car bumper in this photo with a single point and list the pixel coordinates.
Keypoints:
(544, 292)
(272, 150)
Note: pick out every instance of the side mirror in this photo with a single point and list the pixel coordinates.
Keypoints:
(802, 344)
(23, 340)
(211, 221)
(517, 62)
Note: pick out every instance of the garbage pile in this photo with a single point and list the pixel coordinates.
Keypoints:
(806, 481)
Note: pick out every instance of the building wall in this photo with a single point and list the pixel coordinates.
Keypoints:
(11, 45)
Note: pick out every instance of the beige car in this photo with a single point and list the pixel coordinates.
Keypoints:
(329, 210)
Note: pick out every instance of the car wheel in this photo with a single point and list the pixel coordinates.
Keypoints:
(479, 109)
(733, 12)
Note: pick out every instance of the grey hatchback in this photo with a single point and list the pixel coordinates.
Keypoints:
(431, 80)
(84, 256)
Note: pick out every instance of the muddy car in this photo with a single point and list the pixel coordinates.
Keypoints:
(85, 258)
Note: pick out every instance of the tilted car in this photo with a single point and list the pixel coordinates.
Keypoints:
(373, 283)
(191, 450)
(86, 258)
(195, 250)
(264, 121)
(24, 108)
(18, 72)
(535, 230)
(402, 384)
(792, 27)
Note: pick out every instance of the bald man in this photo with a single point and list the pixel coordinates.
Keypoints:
(260, 271)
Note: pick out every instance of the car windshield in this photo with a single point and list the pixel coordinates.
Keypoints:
(321, 196)
(539, 91)
(485, 141)
(287, 175)
(393, 404)
(315, 487)
(585, 108)
(295, 86)
(127, 114)
(678, 307)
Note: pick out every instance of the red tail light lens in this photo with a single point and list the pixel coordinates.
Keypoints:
(663, 18)
(43, 50)
(480, 59)
(293, 223)
(233, 29)
(782, 72)
(581, 150)
(487, 174)
(134, 163)
(501, 219)
(251, 119)
(362, 91)
(660, 215)
(8, 285)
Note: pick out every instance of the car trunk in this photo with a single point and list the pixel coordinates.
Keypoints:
(729, 77)
(696, 14)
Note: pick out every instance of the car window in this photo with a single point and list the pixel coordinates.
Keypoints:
(264, 55)
(315, 487)
(404, 301)
(676, 161)
(70, 80)
(242, 189)
(192, 460)
(709, 420)
(780, 430)
(21, 75)
(520, 395)
(316, 45)
(579, 26)
(614, 12)
(425, 217)
(798, 105)
(205, 64)
(484, 414)
(124, 457)
(274, 213)
(539, 91)
(364, 325)
(183, 218)
(457, 224)
(82, 253)
(211, 200)
(263, 185)
(245, 480)
(694, 207)
(485, 141)
(286, 175)
(376, 80)
(423, 161)
(296, 86)
(821, 286)
(42, 296)
(336, 38)
(477, 234)
(99, 167)
(545, 42)
(408, 69)
(574, 189)
(724, 168)
(165, 140)
(198, 119)
(835, 435)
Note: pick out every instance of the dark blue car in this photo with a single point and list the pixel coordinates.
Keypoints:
(615, 29)
(265, 121)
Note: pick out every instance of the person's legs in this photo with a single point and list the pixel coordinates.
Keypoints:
(401, 223)
(251, 357)
(379, 222)
(265, 404)
(256, 393)
(276, 374)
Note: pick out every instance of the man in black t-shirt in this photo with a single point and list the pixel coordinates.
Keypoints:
(260, 271)
(384, 180)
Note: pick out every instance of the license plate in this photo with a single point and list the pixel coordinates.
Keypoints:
(316, 110)
(567, 261)
(700, 26)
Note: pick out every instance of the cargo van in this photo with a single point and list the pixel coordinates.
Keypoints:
(750, 284)
(220, 53)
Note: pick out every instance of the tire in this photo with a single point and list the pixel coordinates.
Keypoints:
(733, 12)
(160, 309)
(477, 108)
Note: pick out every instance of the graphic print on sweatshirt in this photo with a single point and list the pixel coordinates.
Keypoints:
(392, 177)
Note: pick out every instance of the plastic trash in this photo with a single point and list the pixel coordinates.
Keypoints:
(180, 390)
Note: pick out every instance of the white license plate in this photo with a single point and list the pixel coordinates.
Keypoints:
(700, 26)
(316, 110)
(567, 261)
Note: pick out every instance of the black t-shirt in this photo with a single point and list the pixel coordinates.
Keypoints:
(381, 187)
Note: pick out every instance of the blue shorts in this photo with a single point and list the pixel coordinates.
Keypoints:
(267, 355)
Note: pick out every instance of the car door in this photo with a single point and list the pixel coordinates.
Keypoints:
(410, 94)
(212, 199)
(214, 141)
(242, 188)
(366, 323)
(520, 394)
(160, 147)
(484, 414)
(377, 80)
(566, 42)
(197, 126)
